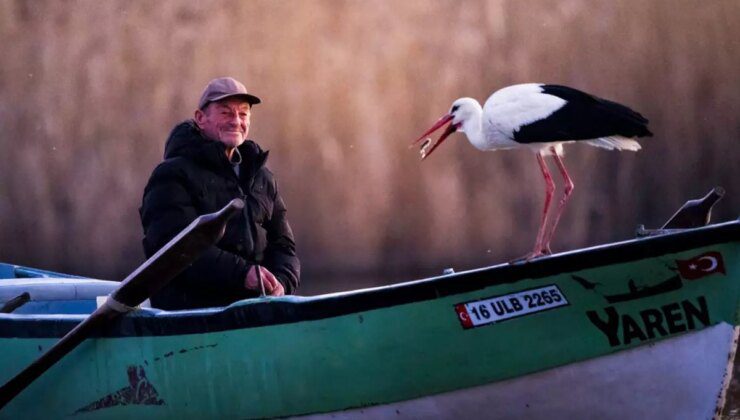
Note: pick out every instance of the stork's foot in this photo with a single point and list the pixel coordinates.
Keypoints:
(532, 255)
(528, 257)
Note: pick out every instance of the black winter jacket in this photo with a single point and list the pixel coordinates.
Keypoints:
(197, 178)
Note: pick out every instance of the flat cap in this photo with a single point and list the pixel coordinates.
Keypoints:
(225, 87)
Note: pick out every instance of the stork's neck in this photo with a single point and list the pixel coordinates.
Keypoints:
(472, 127)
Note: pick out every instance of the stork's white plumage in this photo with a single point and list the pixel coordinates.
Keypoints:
(542, 118)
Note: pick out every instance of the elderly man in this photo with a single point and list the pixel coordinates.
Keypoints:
(208, 162)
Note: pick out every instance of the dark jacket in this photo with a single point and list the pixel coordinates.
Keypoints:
(197, 178)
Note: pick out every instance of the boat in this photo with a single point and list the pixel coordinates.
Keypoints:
(643, 328)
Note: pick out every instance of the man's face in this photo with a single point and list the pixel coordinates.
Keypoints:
(226, 121)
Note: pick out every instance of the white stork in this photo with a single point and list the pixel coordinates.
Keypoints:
(541, 117)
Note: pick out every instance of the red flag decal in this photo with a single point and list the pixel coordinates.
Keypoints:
(462, 315)
(701, 265)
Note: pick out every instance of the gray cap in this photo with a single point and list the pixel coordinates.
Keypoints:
(222, 88)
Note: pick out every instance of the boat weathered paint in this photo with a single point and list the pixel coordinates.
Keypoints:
(640, 329)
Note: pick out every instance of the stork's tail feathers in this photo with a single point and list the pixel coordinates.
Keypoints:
(616, 142)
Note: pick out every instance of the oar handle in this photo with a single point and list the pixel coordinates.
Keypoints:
(146, 280)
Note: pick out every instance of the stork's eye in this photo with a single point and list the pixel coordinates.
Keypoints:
(454, 108)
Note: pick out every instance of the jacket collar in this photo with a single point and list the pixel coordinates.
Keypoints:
(186, 140)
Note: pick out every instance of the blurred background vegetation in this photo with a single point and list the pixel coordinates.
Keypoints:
(89, 91)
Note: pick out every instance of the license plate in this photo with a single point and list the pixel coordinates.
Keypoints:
(514, 305)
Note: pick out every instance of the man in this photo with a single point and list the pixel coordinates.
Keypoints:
(208, 162)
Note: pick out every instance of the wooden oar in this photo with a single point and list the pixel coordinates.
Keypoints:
(15, 303)
(146, 280)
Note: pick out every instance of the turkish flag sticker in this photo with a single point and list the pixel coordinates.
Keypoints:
(463, 316)
(701, 265)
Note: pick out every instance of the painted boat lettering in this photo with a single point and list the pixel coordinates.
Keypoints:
(502, 308)
(673, 318)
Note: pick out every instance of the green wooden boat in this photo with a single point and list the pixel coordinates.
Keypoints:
(638, 329)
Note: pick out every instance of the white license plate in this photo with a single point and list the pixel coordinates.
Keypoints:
(514, 305)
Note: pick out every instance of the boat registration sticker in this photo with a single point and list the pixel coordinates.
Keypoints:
(514, 305)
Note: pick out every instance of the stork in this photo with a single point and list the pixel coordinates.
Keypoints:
(541, 118)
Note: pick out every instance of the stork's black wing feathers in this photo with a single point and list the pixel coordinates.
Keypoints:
(583, 117)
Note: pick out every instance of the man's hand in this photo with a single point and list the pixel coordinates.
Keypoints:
(272, 286)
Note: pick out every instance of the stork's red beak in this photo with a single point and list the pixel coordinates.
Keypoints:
(449, 130)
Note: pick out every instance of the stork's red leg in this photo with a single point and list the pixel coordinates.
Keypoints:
(549, 190)
(568, 189)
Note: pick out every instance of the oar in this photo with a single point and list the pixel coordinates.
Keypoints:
(146, 280)
(15, 303)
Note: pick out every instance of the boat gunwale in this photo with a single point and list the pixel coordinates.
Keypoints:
(263, 312)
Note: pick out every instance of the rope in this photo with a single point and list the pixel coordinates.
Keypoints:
(118, 306)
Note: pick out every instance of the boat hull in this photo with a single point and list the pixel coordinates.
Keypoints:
(678, 378)
(491, 339)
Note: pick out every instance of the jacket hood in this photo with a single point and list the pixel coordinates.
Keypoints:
(184, 137)
(187, 140)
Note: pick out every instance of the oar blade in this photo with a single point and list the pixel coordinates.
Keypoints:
(174, 257)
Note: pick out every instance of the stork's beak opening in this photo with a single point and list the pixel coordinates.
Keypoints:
(425, 150)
